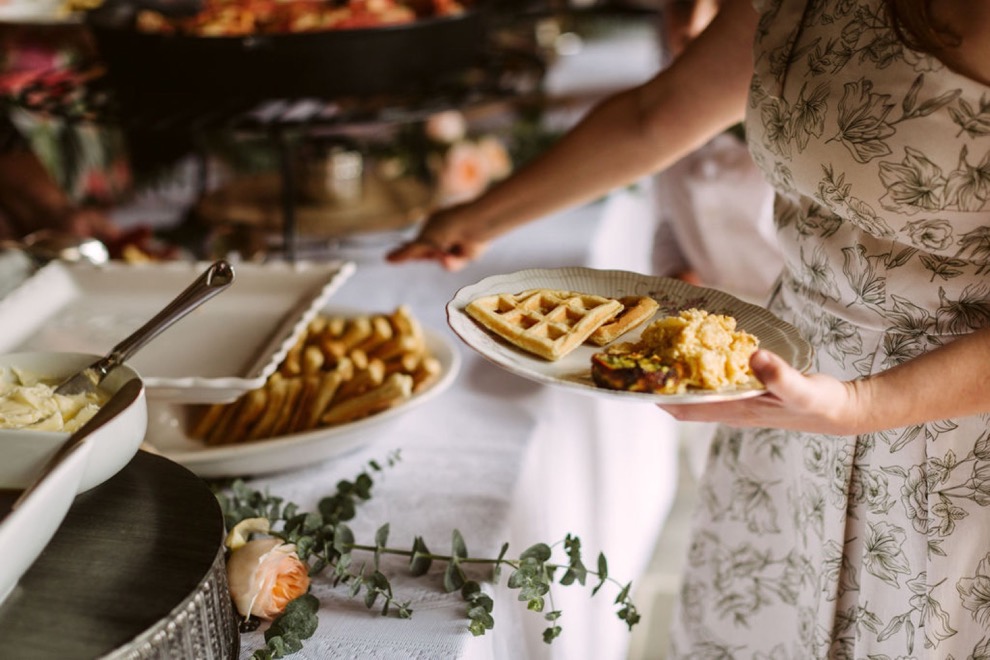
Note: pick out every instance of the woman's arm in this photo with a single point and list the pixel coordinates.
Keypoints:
(951, 381)
(629, 135)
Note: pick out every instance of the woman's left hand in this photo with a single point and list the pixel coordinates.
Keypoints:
(813, 403)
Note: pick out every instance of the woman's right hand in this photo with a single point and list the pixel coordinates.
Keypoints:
(450, 237)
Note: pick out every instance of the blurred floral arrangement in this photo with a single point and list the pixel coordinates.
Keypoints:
(465, 165)
(43, 77)
(462, 160)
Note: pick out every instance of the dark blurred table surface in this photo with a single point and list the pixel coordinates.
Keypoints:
(130, 558)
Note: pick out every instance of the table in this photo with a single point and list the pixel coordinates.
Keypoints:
(501, 459)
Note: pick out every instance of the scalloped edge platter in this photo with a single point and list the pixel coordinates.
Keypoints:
(573, 371)
(219, 351)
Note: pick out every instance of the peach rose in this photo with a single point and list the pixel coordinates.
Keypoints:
(496, 156)
(465, 173)
(264, 575)
(446, 127)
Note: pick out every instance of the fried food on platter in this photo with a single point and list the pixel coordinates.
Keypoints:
(546, 322)
(693, 350)
(342, 369)
(394, 390)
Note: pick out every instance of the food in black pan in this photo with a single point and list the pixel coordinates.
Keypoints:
(245, 17)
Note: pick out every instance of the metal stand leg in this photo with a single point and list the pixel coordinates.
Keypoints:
(285, 155)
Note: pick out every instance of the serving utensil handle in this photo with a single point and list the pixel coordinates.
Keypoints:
(214, 279)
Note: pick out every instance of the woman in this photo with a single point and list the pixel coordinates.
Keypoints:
(844, 514)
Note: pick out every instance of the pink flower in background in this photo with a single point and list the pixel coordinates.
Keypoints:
(464, 173)
(264, 576)
(496, 156)
(446, 127)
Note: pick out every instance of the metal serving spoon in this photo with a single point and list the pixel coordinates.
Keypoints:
(122, 398)
(215, 279)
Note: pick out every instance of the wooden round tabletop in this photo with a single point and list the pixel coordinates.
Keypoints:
(135, 570)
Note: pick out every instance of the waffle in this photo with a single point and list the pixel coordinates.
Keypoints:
(544, 322)
(635, 311)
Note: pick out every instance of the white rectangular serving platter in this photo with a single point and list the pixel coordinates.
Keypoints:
(229, 345)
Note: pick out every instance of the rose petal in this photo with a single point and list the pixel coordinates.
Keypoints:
(242, 531)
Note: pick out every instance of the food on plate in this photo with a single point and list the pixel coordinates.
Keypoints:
(342, 369)
(221, 18)
(29, 402)
(693, 350)
(636, 310)
(546, 322)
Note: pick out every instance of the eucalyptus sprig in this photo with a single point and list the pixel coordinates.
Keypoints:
(325, 542)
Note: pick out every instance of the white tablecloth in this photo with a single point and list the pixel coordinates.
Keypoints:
(501, 459)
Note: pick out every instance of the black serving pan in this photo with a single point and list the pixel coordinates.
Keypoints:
(388, 59)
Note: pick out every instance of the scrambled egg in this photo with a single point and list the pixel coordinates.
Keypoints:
(715, 355)
(29, 403)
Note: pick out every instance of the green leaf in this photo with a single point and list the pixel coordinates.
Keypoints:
(629, 615)
(453, 577)
(535, 604)
(516, 579)
(298, 619)
(540, 552)
(551, 634)
(497, 570)
(602, 573)
(420, 561)
(381, 536)
(355, 587)
(470, 590)
(380, 582)
(482, 616)
(343, 538)
(312, 521)
(362, 487)
(458, 547)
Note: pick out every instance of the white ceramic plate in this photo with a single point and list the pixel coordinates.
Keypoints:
(166, 424)
(573, 371)
(226, 347)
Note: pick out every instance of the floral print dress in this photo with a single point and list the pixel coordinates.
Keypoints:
(876, 546)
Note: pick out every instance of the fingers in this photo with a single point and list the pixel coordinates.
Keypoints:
(414, 250)
(780, 378)
(451, 258)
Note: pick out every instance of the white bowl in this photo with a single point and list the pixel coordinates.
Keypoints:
(25, 532)
(114, 444)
